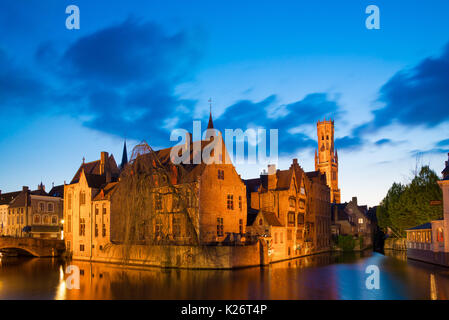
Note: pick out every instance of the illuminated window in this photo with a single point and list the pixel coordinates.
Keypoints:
(37, 219)
(82, 198)
(230, 202)
(82, 227)
(220, 232)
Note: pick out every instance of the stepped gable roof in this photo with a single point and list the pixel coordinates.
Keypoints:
(94, 168)
(6, 198)
(106, 191)
(424, 226)
(57, 191)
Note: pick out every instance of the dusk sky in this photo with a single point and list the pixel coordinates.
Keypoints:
(138, 69)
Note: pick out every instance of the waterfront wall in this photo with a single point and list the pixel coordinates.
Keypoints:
(399, 244)
(439, 258)
(192, 257)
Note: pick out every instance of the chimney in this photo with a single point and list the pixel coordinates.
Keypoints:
(25, 188)
(103, 163)
(354, 200)
(295, 161)
(272, 176)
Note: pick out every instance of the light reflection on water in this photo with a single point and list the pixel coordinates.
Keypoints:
(325, 276)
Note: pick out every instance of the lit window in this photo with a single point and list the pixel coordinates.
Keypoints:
(230, 203)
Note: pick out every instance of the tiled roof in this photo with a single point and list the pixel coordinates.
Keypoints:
(106, 191)
(271, 219)
(57, 191)
(6, 198)
(94, 168)
(427, 225)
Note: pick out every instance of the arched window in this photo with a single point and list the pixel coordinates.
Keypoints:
(69, 201)
(54, 220)
(37, 219)
(46, 219)
(260, 222)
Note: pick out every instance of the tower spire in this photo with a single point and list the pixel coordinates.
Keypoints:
(124, 156)
(210, 125)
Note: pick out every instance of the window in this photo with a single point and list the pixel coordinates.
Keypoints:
(291, 218)
(46, 219)
(440, 236)
(41, 206)
(241, 226)
(292, 202)
(103, 230)
(158, 202)
(360, 220)
(281, 237)
(158, 228)
(54, 220)
(260, 222)
(289, 235)
(82, 227)
(220, 174)
(275, 237)
(97, 210)
(96, 230)
(302, 203)
(82, 198)
(240, 203)
(176, 225)
(81, 247)
(69, 201)
(230, 202)
(104, 210)
(69, 223)
(50, 207)
(220, 227)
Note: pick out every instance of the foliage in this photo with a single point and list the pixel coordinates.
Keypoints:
(346, 243)
(406, 206)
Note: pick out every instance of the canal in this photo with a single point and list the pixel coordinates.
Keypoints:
(325, 276)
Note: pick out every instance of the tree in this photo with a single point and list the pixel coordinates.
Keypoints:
(406, 206)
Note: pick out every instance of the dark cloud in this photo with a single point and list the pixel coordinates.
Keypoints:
(246, 114)
(19, 87)
(418, 96)
(349, 143)
(382, 142)
(443, 143)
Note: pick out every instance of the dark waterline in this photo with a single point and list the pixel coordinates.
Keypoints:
(325, 276)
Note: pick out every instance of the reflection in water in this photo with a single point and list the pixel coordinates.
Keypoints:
(325, 276)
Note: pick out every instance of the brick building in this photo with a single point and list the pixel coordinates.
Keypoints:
(290, 209)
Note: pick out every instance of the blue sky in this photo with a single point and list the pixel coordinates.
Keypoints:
(136, 69)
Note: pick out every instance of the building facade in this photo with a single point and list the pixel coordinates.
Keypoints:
(290, 210)
(430, 242)
(326, 159)
(35, 214)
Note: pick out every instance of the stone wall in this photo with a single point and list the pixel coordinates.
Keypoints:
(192, 257)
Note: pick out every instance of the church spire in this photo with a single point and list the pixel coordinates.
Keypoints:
(124, 156)
(210, 125)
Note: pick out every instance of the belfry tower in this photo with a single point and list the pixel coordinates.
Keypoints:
(326, 160)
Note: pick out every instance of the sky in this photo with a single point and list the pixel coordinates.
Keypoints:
(136, 70)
